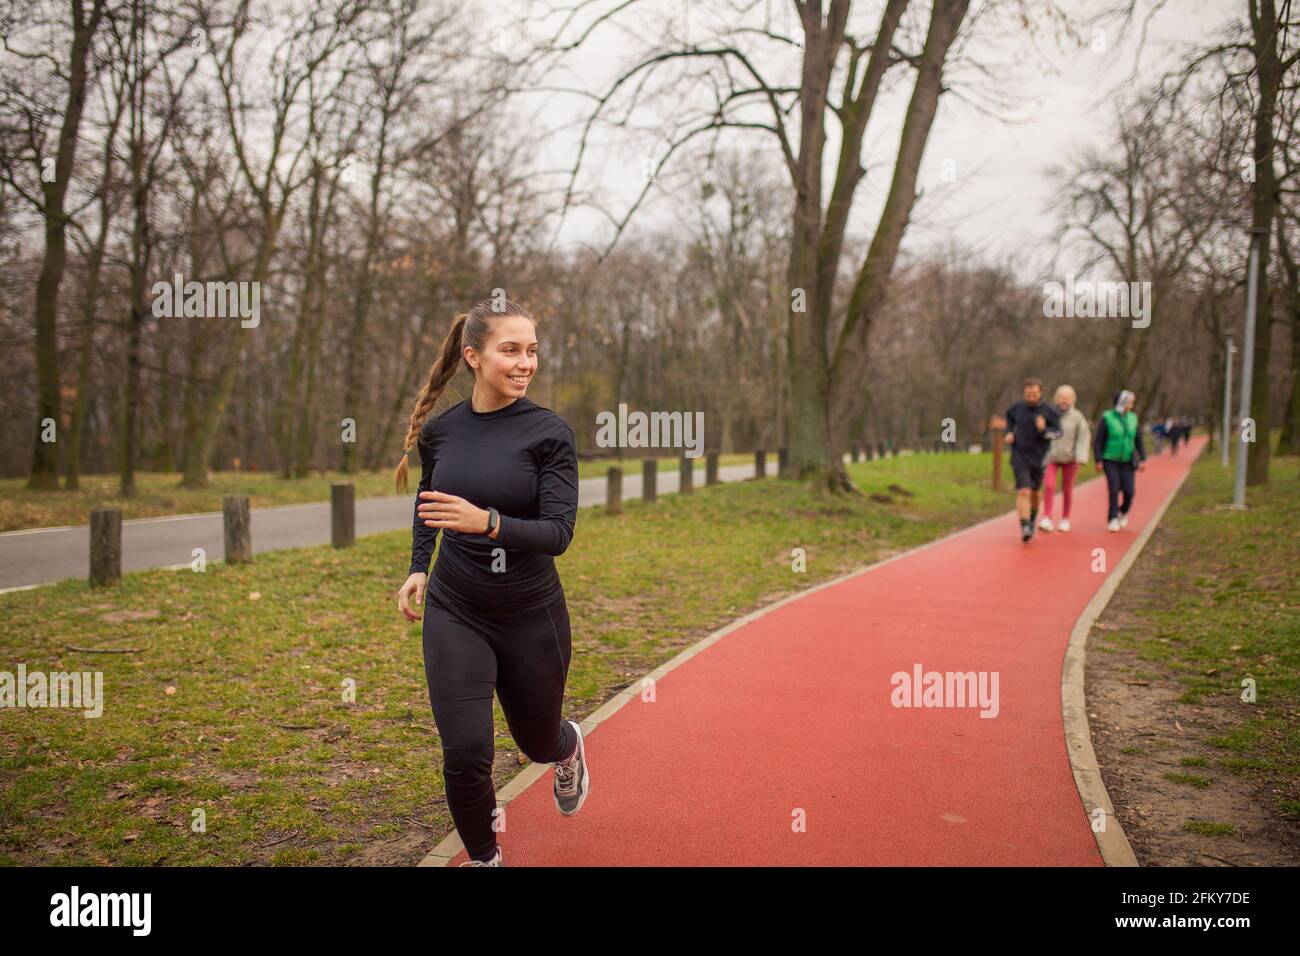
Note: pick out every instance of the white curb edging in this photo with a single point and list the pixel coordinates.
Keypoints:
(1111, 841)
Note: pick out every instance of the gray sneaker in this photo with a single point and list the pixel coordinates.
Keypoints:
(495, 861)
(571, 779)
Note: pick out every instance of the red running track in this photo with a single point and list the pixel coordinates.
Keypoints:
(792, 712)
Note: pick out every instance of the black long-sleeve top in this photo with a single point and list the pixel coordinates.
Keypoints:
(1099, 440)
(1031, 444)
(522, 460)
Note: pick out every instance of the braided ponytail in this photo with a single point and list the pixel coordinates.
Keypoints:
(440, 373)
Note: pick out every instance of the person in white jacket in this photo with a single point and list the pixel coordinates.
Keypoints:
(1068, 453)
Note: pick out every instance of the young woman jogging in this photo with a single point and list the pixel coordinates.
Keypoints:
(1068, 452)
(500, 479)
(1118, 449)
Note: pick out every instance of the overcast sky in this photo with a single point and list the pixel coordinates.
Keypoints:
(1052, 99)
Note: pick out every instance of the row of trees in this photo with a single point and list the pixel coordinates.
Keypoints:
(368, 164)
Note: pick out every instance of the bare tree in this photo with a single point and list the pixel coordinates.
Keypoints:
(827, 398)
(141, 61)
(54, 170)
(1136, 215)
(312, 38)
(400, 70)
(108, 197)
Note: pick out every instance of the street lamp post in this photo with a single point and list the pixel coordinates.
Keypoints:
(1257, 234)
(1227, 396)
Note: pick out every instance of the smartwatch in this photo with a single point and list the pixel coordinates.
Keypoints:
(493, 520)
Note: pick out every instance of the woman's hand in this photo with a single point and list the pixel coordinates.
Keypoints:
(1099, 464)
(413, 588)
(441, 510)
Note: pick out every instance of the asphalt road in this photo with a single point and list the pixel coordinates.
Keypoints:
(45, 555)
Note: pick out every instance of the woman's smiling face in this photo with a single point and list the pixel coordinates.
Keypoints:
(509, 360)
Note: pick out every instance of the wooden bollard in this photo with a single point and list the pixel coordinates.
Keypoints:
(782, 462)
(649, 479)
(711, 468)
(760, 463)
(238, 528)
(614, 492)
(343, 515)
(854, 451)
(105, 546)
(687, 483)
(997, 425)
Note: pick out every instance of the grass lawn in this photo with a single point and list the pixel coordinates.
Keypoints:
(231, 699)
(159, 492)
(1210, 606)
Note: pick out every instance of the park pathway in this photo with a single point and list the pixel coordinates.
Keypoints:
(788, 716)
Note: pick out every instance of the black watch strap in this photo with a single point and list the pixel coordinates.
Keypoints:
(494, 519)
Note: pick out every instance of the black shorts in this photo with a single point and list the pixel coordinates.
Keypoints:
(1029, 474)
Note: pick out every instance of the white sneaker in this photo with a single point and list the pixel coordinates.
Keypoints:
(1114, 525)
(1123, 520)
(572, 779)
(1046, 523)
(1065, 524)
(495, 861)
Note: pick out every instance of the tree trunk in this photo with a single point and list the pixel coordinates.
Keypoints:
(1289, 441)
(199, 451)
(45, 456)
(847, 397)
(807, 302)
(1268, 70)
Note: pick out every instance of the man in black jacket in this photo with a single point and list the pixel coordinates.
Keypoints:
(1031, 426)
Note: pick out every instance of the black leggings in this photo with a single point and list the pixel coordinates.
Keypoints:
(469, 650)
(1119, 478)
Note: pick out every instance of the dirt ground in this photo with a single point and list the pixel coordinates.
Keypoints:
(1129, 708)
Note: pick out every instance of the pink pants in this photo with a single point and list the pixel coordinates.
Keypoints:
(1068, 471)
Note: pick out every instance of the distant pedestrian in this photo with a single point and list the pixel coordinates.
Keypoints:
(1067, 454)
(1159, 431)
(1118, 449)
(1031, 426)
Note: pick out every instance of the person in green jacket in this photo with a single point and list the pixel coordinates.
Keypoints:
(1117, 446)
